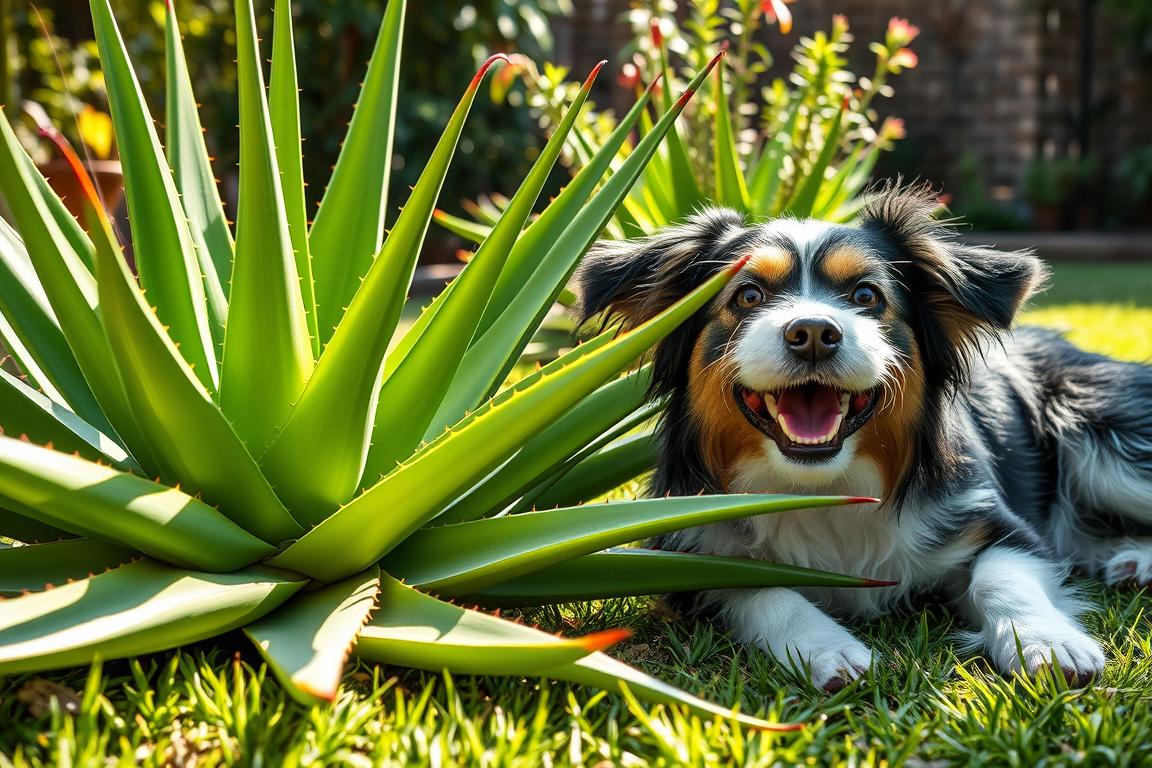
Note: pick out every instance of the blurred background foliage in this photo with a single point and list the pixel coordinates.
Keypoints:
(334, 40)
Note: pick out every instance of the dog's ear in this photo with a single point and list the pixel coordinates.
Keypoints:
(960, 292)
(635, 280)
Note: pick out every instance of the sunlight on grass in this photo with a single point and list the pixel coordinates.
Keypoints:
(1123, 331)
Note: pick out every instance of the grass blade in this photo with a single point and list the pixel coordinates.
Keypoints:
(382, 517)
(138, 608)
(307, 641)
(730, 187)
(349, 226)
(267, 352)
(165, 255)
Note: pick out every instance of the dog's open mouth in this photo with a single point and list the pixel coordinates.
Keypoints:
(810, 421)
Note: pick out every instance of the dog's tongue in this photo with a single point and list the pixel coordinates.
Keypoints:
(811, 411)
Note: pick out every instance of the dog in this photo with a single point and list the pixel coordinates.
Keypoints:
(879, 359)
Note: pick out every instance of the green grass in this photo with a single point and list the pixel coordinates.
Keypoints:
(928, 703)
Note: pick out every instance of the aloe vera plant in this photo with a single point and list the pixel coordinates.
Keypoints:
(240, 437)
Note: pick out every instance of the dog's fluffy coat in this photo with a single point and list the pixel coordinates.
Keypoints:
(1002, 458)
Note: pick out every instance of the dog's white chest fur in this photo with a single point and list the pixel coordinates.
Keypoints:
(862, 540)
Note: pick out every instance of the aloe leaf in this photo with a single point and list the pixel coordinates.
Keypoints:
(32, 333)
(24, 411)
(599, 473)
(334, 414)
(767, 174)
(629, 572)
(90, 499)
(372, 524)
(730, 187)
(36, 566)
(494, 354)
(349, 225)
(195, 181)
(469, 230)
(415, 630)
(489, 551)
(555, 443)
(410, 397)
(135, 609)
(193, 441)
(165, 254)
(23, 528)
(267, 352)
(684, 189)
(602, 671)
(284, 110)
(804, 199)
(412, 629)
(69, 286)
(307, 641)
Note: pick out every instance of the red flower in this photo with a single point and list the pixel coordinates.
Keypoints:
(900, 32)
(905, 58)
(629, 76)
(657, 34)
(777, 12)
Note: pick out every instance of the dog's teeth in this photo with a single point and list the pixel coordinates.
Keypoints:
(770, 404)
(845, 399)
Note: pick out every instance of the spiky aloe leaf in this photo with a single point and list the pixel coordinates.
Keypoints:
(284, 111)
(599, 473)
(32, 333)
(465, 228)
(195, 181)
(68, 284)
(89, 499)
(38, 566)
(193, 442)
(334, 412)
(494, 354)
(349, 226)
(165, 255)
(138, 608)
(267, 352)
(486, 552)
(637, 571)
(24, 411)
(25, 529)
(412, 394)
(362, 532)
(307, 641)
(592, 416)
(767, 173)
(416, 630)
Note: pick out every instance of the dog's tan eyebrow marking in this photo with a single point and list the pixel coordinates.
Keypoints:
(845, 263)
(773, 265)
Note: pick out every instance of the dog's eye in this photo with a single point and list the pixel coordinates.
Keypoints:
(866, 295)
(748, 296)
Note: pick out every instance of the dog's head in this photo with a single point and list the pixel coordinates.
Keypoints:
(832, 342)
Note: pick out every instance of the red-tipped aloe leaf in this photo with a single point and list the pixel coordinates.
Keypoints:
(307, 641)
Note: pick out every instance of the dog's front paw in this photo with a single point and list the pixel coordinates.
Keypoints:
(834, 668)
(1080, 657)
(1130, 565)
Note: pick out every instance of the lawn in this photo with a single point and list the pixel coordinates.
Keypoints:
(926, 704)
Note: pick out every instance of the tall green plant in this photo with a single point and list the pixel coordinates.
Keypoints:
(325, 498)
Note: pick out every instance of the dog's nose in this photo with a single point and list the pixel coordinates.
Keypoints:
(813, 338)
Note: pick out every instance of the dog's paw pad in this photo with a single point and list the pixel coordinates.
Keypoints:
(1130, 566)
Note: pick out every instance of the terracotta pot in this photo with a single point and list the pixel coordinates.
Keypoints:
(106, 174)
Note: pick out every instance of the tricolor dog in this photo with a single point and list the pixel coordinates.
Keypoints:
(879, 359)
